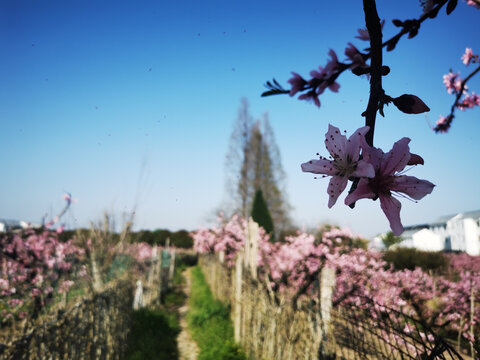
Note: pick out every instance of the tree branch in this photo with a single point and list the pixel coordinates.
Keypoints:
(375, 31)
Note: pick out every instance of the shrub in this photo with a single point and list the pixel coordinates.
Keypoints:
(408, 258)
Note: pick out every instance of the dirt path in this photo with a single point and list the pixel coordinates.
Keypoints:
(186, 345)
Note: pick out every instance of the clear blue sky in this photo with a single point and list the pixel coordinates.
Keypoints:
(130, 105)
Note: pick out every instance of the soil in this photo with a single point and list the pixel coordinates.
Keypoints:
(187, 347)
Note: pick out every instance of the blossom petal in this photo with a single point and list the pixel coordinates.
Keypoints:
(413, 187)
(415, 160)
(391, 207)
(372, 155)
(334, 86)
(322, 166)
(335, 187)
(354, 142)
(397, 158)
(335, 142)
(364, 169)
(297, 83)
(362, 191)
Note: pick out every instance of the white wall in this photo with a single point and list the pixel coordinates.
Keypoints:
(472, 236)
(427, 240)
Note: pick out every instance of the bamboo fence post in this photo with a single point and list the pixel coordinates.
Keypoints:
(171, 270)
(327, 283)
(138, 299)
(472, 308)
(237, 318)
(253, 235)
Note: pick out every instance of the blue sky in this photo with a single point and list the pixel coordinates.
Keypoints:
(129, 106)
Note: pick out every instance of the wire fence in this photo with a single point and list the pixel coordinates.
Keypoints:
(268, 326)
(95, 328)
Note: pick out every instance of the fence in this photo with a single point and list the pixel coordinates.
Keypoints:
(98, 327)
(95, 328)
(158, 280)
(269, 326)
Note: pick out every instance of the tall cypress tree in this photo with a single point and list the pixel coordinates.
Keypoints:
(260, 213)
(253, 163)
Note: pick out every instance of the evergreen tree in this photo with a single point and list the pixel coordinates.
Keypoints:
(390, 239)
(260, 213)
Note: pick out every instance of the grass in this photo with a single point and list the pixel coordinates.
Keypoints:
(154, 331)
(153, 335)
(209, 323)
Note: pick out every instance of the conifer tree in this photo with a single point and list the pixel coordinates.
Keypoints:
(260, 213)
(253, 163)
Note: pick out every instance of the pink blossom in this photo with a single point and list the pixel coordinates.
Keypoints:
(443, 124)
(310, 96)
(389, 179)
(321, 79)
(467, 57)
(22, 315)
(297, 82)
(345, 161)
(15, 302)
(453, 82)
(4, 285)
(355, 56)
(469, 101)
(324, 75)
(332, 64)
(473, 3)
(65, 286)
(363, 33)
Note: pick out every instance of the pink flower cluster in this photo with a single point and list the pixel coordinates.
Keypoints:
(453, 83)
(443, 124)
(456, 85)
(325, 77)
(140, 251)
(438, 301)
(379, 174)
(33, 265)
(228, 237)
(321, 79)
(474, 3)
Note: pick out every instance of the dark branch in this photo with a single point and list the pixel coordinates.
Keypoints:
(375, 30)
(409, 27)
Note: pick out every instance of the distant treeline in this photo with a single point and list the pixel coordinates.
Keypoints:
(180, 238)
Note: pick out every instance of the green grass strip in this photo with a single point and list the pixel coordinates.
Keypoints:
(153, 335)
(209, 323)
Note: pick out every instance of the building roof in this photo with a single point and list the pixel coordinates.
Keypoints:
(441, 221)
(10, 222)
(463, 215)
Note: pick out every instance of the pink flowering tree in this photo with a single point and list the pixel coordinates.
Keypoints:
(34, 265)
(457, 86)
(371, 172)
(363, 279)
(227, 237)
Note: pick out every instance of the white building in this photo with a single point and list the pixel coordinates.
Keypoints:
(8, 225)
(460, 232)
(11, 225)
